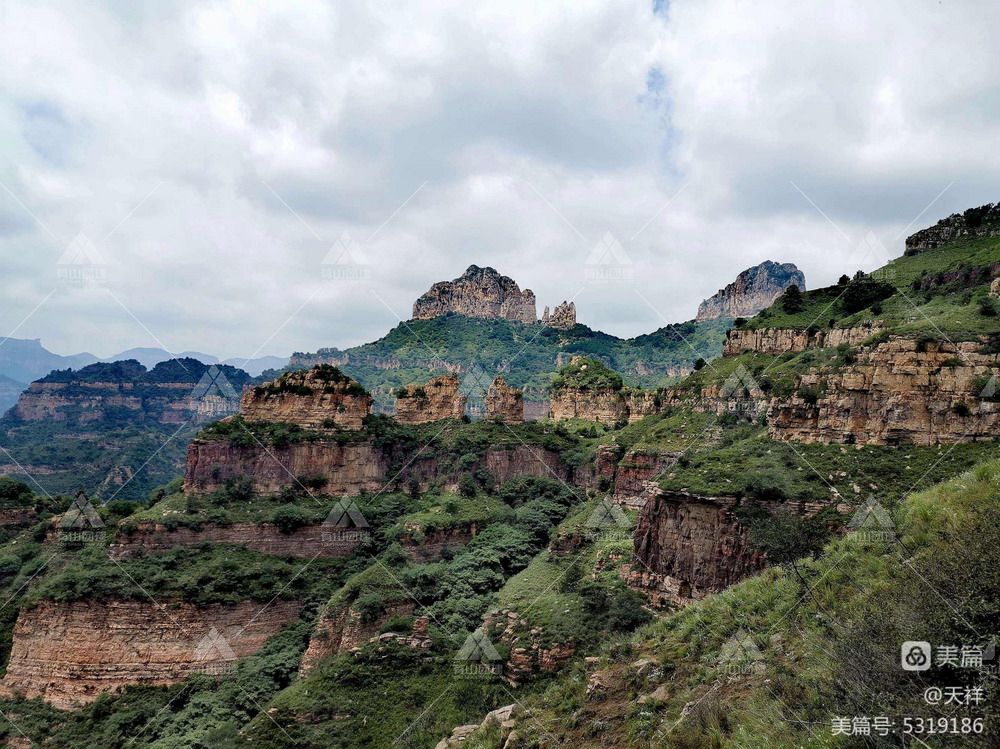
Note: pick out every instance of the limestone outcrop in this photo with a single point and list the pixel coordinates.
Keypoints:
(479, 292)
(318, 398)
(530, 654)
(903, 391)
(69, 653)
(753, 290)
(438, 399)
(563, 316)
(983, 221)
(777, 341)
(343, 627)
(504, 403)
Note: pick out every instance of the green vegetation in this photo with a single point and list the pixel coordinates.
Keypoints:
(587, 374)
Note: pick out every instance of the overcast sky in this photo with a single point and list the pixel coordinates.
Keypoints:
(212, 154)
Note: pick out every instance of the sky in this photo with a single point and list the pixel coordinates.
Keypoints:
(189, 175)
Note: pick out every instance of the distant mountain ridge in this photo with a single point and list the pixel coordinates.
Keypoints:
(754, 289)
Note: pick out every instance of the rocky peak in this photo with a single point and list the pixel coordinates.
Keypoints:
(319, 398)
(754, 289)
(479, 292)
(983, 221)
(563, 316)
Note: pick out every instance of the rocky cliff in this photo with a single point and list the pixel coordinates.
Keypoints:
(318, 398)
(777, 341)
(901, 391)
(69, 653)
(754, 289)
(563, 316)
(983, 221)
(173, 392)
(344, 627)
(309, 542)
(433, 401)
(605, 406)
(504, 403)
(479, 292)
(688, 546)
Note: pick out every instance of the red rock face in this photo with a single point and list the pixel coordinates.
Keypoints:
(694, 544)
(308, 542)
(314, 399)
(348, 469)
(438, 399)
(634, 471)
(606, 406)
(343, 628)
(70, 653)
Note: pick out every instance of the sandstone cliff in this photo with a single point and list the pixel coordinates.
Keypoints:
(318, 398)
(777, 341)
(754, 289)
(901, 391)
(436, 400)
(504, 403)
(479, 292)
(983, 221)
(70, 653)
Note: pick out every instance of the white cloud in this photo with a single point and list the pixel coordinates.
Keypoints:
(254, 135)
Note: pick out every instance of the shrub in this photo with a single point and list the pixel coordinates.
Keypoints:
(467, 486)
(289, 518)
(791, 300)
(699, 364)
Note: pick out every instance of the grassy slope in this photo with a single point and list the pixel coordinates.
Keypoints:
(828, 633)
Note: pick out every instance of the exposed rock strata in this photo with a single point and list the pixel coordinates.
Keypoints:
(504, 403)
(344, 627)
(319, 398)
(530, 654)
(309, 542)
(70, 653)
(436, 400)
(429, 546)
(776, 341)
(479, 292)
(754, 289)
(902, 391)
(605, 406)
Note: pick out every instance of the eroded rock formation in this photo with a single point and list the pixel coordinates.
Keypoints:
(754, 289)
(563, 316)
(504, 403)
(605, 406)
(983, 221)
(69, 653)
(318, 398)
(479, 292)
(901, 391)
(530, 652)
(777, 341)
(344, 627)
(438, 399)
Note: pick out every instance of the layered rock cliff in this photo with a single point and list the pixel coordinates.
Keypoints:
(504, 403)
(479, 292)
(777, 341)
(983, 221)
(901, 391)
(69, 653)
(318, 398)
(754, 289)
(173, 392)
(433, 401)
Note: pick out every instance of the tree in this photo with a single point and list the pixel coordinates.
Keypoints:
(791, 300)
(699, 363)
(843, 280)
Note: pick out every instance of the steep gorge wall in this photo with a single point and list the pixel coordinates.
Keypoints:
(70, 653)
(777, 341)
